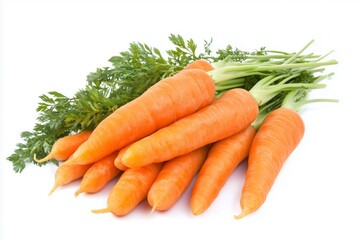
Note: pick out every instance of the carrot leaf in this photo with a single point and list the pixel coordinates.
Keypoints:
(131, 73)
(268, 74)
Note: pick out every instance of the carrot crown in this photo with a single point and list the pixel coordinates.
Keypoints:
(274, 78)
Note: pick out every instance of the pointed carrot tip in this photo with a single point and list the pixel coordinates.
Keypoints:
(77, 193)
(43, 159)
(242, 214)
(53, 189)
(102, 210)
(153, 209)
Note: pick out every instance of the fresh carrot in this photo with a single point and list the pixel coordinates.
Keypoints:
(200, 64)
(162, 104)
(174, 177)
(278, 136)
(98, 175)
(117, 161)
(224, 156)
(231, 113)
(64, 147)
(66, 174)
(131, 188)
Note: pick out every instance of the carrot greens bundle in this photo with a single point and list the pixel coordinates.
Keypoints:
(131, 73)
(156, 119)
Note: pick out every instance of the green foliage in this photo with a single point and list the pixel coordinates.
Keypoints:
(268, 75)
(132, 72)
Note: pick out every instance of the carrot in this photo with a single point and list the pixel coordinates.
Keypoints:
(277, 137)
(224, 156)
(174, 177)
(162, 104)
(64, 147)
(131, 188)
(98, 175)
(231, 113)
(117, 161)
(66, 174)
(200, 64)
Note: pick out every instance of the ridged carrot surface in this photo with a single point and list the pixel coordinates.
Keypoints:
(174, 177)
(66, 174)
(277, 137)
(231, 113)
(224, 156)
(98, 175)
(131, 188)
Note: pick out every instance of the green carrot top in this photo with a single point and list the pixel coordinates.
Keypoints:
(269, 76)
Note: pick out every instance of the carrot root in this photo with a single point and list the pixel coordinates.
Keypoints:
(102, 210)
(153, 209)
(77, 193)
(242, 214)
(53, 189)
(47, 158)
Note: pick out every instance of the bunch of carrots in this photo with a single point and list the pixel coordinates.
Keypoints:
(197, 125)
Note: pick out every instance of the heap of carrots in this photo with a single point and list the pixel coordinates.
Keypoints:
(197, 125)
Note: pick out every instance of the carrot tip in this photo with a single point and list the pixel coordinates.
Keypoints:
(53, 189)
(197, 206)
(196, 213)
(78, 192)
(43, 159)
(102, 210)
(241, 215)
(153, 209)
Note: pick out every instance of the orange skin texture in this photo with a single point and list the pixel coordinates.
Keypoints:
(224, 156)
(64, 147)
(66, 174)
(174, 178)
(161, 105)
(277, 137)
(131, 188)
(232, 112)
(98, 175)
(117, 161)
(200, 64)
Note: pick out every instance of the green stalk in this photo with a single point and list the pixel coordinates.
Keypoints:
(298, 53)
(263, 95)
(297, 98)
(276, 73)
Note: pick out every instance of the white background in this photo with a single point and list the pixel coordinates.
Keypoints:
(53, 45)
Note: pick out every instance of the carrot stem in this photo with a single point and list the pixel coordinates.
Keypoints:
(271, 74)
(263, 95)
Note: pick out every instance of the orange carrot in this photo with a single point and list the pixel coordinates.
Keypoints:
(66, 174)
(162, 104)
(117, 161)
(200, 64)
(174, 177)
(224, 156)
(131, 188)
(98, 175)
(64, 147)
(277, 137)
(231, 113)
